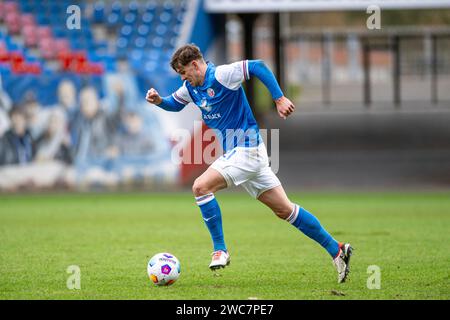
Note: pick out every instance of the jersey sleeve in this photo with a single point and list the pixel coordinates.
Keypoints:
(232, 75)
(182, 95)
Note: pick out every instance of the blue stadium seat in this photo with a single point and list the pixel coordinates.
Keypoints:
(55, 8)
(42, 19)
(165, 17)
(161, 30)
(135, 58)
(116, 8)
(150, 7)
(126, 30)
(122, 42)
(154, 55)
(113, 20)
(150, 66)
(168, 5)
(26, 8)
(157, 42)
(147, 18)
(133, 7)
(130, 18)
(140, 42)
(98, 15)
(101, 45)
(143, 30)
(59, 31)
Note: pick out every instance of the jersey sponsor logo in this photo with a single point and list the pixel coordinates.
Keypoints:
(204, 105)
(211, 92)
(211, 116)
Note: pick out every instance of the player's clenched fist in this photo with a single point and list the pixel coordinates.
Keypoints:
(284, 107)
(153, 96)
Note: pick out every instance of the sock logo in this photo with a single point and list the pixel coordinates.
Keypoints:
(207, 219)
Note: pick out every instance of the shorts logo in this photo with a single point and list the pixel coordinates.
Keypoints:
(211, 92)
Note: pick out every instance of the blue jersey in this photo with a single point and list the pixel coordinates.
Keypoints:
(223, 103)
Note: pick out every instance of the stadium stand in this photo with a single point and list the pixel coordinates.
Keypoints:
(36, 38)
(76, 80)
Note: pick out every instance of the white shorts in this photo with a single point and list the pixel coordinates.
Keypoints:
(248, 167)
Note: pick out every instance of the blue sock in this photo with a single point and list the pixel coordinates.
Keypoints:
(310, 226)
(213, 219)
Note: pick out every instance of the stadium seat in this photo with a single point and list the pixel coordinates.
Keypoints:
(42, 19)
(122, 43)
(157, 42)
(147, 18)
(130, 18)
(150, 7)
(143, 30)
(133, 7)
(165, 17)
(161, 30)
(126, 31)
(99, 12)
(140, 42)
(112, 20)
(116, 8)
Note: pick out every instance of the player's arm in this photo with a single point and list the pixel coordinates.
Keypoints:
(260, 70)
(232, 75)
(167, 103)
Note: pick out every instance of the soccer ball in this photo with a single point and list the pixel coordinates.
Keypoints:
(163, 269)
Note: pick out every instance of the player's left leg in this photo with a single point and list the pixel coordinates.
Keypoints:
(277, 200)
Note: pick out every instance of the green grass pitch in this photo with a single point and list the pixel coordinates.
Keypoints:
(112, 236)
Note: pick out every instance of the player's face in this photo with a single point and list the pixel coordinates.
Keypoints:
(191, 73)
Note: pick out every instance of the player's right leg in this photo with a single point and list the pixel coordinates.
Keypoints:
(204, 188)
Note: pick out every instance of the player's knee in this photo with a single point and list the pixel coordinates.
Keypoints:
(199, 188)
(282, 213)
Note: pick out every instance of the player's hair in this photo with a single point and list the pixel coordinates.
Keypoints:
(184, 55)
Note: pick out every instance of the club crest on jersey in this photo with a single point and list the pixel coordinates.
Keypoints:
(204, 106)
(211, 92)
